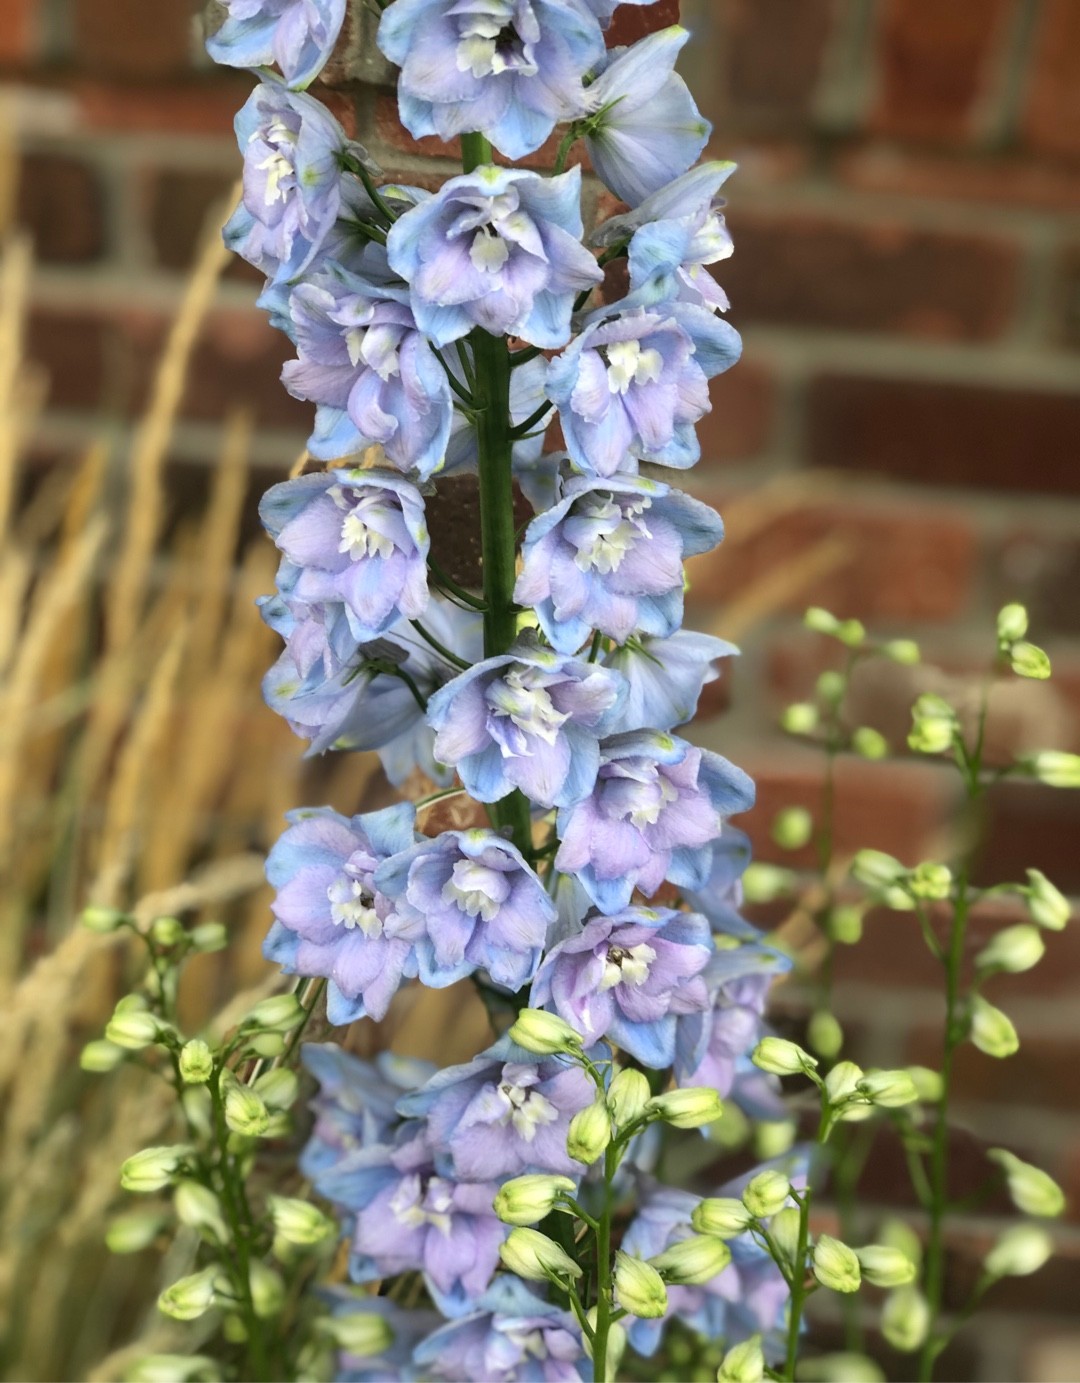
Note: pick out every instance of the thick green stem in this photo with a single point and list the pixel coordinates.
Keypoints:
(798, 1288)
(604, 1302)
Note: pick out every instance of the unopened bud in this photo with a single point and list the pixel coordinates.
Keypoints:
(766, 1193)
(693, 1107)
(692, 1262)
(103, 920)
(933, 724)
(277, 1089)
(764, 882)
(1020, 1251)
(902, 651)
(784, 1230)
(167, 931)
(931, 882)
(780, 1057)
(267, 1289)
(869, 743)
(875, 869)
(173, 1368)
(800, 718)
(792, 828)
(526, 1200)
(280, 1011)
(133, 1030)
(889, 1089)
(845, 924)
(835, 1265)
(589, 1132)
(537, 1258)
(361, 1333)
(134, 1231)
(189, 1298)
(544, 1034)
(1055, 768)
(743, 1363)
(723, 1216)
(830, 687)
(1012, 950)
(616, 1342)
(1029, 660)
(905, 1319)
(928, 1083)
(842, 1083)
(1047, 905)
(885, 1266)
(825, 1034)
(268, 1044)
(153, 1168)
(773, 1137)
(898, 1234)
(1012, 623)
(245, 1113)
(299, 1222)
(1033, 1191)
(845, 1366)
(100, 1056)
(991, 1030)
(198, 1208)
(639, 1288)
(196, 1061)
(209, 936)
(627, 1096)
(821, 621)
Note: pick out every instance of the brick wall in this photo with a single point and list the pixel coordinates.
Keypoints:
(901, 442)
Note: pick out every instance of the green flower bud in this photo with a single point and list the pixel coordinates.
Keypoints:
(743, 1363)
(196, 1061)
(639, 1288)
(267, 1289)
(627, 1096)
(101, 1056)
(173, 1368)
(845, 924)
(616, 1342)
(792, 828)
(766, 1194)
(209, 936)
(820, 621)
(197, 1207)
(299, 1222)
(1055, 768)
(933, 724)
(800, 718)
(875, 869)
(845, 1366)
(825, 1034)
(693, 1107)
(898, 1234)
(133, 1030)
(835, 1265)
(870, 743)
(1047, 905)
(1029, 660)
(928, 1084)
(1020, 1251)
(1033, 1191)
(525, 1200)
(589, 1132)
(851, 632)
(930, 881)
(167, 931)
(189, 1298)
(904, 651)
(534, 1256)
(1013, 950)
(1012, 623)
(889, 1089)
(723, 1216)
(268, 1044)
(694, 1261)
(103, 920)
(198, 1109)
(280, 1011)
(773, 1137)
(842, 1084)
(991, 1030)
(780, 1057)
(153, 1168)
(245, 1113)
(764, 882)
(134, 1231)
(784, 1230)
(885, 1266)
(905, 1319)
(361, 1333)
(277, 1089)
(544, 1034)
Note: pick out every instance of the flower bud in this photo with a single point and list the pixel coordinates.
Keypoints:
(766, 1193)
(616, 1342)
(153, 1168)
(928, 1084)
(245, 1113)
(842, 1083)
(905, 1319)
(639, 1288)
(525, 1200)
(101, 1056)
(1055, 768)
(627, 1096)
(196, 1061)
(209, 936)
(723, 1216)
(1033, 1191)
(1012, 623)
(780, 1057)
(820, 621)
(693, 1107)
(792, 828)
(845, 924)
(198, 1109)
(800, 718)
(277, 1089)
(267, 1289)
(889, 1089)
(134, 1231)
(885, 1266)
(930, 881)
(991, 1030)
(189, 1298)
(537, 1258)
(133, 1029)
(589, 1132)
(898, 1234)
(167, 931)
(173, 1368)
(904, 651)
(845, 1366)
(299, 1222)
(825, 1034)
(831, 686)
(764, 882)
(544, 1034)
(869, 743)
(692, 1262)
(773, 1137)
(1047, 905)
(364, 1334)
(198, 1208)
(743, 1363)
(103, 920)
(784, 1228)
(281, 1011)
(268, 1044)
(1029, 660)
(1020, 1251)
(835, 1265)
(1012, 950)
(875, 869)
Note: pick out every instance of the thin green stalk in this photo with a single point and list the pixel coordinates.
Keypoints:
(440, 648)
(798, 1288)
(604, 1304)
(452, 586)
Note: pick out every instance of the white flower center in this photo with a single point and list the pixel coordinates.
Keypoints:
(351, 905)
(488, 251)
(629, 364)
(526, 1109)
(475, 889)
(525, 701)
(489, 45)
(358, 540)
(657, 795)
(275, 165)
(624, 966)
(414, 1207)
(617, 529)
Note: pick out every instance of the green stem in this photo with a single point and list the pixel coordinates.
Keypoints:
(452, 586)
(569, 139)
(440, 649)
(798, 1288)
(604, 1304)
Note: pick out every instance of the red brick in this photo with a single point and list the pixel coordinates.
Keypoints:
(1004, 181)
(740, 423)
(198, 107)
(390, 131)
(17, 30)
(177, 205)
(1042, 1073)
(72, 349)
(1052, 117)
(805, 269)
(1068, 296)
(1031, 826)
(1042, 571)
(60, 203)
(945, 433)
(774, 52)
(632, 22)
(130, 38)
(908, 562)
(934, 61)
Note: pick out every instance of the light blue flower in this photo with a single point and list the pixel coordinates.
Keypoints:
(643, 127)
(506, 68)
(498, 248)
(297, 35)
(666, 676)
(609, 556)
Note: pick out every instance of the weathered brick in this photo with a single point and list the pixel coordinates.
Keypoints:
(1041, 570)
(774, 52)
(202, 106)
(177, 205)
(17, 30)
(739, 426)
(1041, 1074)
(934, 62)
(1068, 296)
(71, 347)
(129, 38)
(60, 203)
(923, 176)
(805, 269)
(940, 433)
(1052, 116)
(1031, 826)
(632, 22)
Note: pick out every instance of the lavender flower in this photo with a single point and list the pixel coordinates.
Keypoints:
(293, 153)
(330, 918)
(609, 556)
(665, 677)
(298, 35)
(468, 901)
(632, 385)
(629, 977)
(371, 374)
(514, 1337)
(354, 536)
(497, 248)
(653, 814)
(508, 68)
(501, 1114)
(529, 719)
(643, 126)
